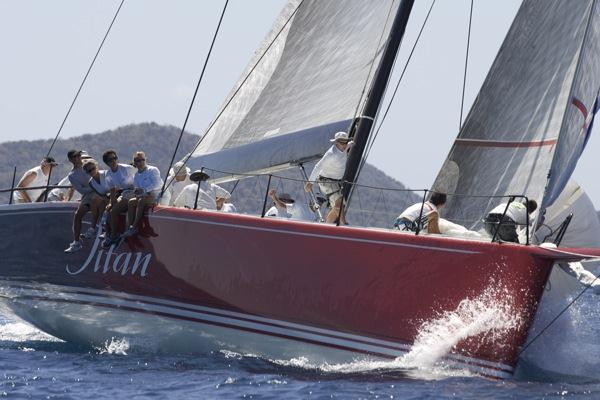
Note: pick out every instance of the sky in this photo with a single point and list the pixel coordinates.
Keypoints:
(151, 61)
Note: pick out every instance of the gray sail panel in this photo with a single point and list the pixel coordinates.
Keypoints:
(314, 75)
(249, 86)
(580, 111)
(509, 137)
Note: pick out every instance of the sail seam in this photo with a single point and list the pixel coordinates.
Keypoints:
(506, 143)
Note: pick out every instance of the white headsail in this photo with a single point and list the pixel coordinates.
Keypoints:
(528, 124)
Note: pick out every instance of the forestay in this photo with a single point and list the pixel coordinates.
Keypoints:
(531, 117)
(309, 80)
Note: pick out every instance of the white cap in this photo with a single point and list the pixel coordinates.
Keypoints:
(340, 136)
(179, 169)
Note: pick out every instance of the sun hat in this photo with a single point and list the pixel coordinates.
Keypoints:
(285, 198)
(198, 176)
(340, 137)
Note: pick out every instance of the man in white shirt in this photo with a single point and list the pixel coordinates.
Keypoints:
(328, 173)
(207, 193)
(506, 224)
(101, 190)
(119, 179)
(179, 178)
(225, 205)
(284, 206)
(147, 184)
(422, 216)
(35, 177)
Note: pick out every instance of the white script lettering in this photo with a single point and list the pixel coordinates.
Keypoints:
(113, 262)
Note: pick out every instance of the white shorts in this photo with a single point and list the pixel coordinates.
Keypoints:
(331, 188)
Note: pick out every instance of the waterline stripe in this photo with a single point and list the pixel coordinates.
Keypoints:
(474, 365)
(392, 347)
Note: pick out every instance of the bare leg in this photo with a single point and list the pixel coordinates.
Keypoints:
(116, 210)
(81, 211)
(131, 211)
(95, 211)
(333, 214)
(141, 207)
(139, 213)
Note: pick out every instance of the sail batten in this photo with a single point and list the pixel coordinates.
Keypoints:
(319, 58)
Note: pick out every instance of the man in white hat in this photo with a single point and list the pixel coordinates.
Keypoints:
(201, 194)
(328, 173)
(179, 178)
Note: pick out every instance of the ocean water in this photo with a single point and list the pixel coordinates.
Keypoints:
(36, 365)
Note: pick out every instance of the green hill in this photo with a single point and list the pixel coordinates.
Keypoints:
(370, 206)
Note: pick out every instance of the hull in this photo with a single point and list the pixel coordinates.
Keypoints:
(200, 281)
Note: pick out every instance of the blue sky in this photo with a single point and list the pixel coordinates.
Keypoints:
(151, 61)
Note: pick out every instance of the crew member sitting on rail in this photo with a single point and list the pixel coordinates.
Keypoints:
(328, 173)
(119, 178)
(35, 177)
(101, 189)
(79, 179)
(280, 203)
(178, 179)
(506, 223)
(201, 195)
(67, 194)
(284, 206)
(147, 184)
(225, 205)
(428, 212)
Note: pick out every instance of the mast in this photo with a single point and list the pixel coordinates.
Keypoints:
(364, 122)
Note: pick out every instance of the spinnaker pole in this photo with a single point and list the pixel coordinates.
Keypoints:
(365, 121)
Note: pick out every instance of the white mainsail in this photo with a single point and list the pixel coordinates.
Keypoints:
(306, 85)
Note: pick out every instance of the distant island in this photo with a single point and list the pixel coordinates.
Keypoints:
(370, 206)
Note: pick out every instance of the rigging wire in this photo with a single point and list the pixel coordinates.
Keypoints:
(84, 79)
(364, 89)
(214, 121)
(540, 333)
(397, 86)
(187, 117)
(462, 100)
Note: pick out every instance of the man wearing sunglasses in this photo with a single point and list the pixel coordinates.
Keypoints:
(79, 179)
(147, 185)
(119, 179)
(100, 187)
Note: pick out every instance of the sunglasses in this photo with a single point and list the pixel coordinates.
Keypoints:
(90, 169)
(111, 159)
(139, 159)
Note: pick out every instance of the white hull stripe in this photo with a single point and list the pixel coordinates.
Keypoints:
(244, 321)
(281, 231)
(317, 235)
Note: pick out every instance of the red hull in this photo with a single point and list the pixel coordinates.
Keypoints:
(374, 286)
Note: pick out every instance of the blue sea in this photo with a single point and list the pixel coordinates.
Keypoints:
(35, 365)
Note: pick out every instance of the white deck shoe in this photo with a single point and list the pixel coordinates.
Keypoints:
(74, 247)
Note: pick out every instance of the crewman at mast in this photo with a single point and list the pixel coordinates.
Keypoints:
(328, 173)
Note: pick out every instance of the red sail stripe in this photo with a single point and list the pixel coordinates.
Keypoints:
(500, 143)
(577, 103)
